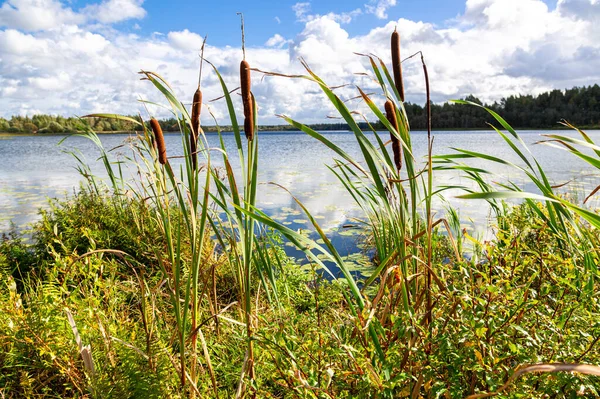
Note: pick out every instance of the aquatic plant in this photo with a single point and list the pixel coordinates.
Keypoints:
(179, 283)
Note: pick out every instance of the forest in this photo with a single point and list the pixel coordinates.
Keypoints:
(580, 106)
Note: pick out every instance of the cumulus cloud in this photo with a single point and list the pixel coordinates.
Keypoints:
(39, 15)
(276, 41)
(185, 40)
(495, 48)
(34, 15)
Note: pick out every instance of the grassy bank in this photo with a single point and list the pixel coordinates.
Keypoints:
(516, 302)
(175, 284)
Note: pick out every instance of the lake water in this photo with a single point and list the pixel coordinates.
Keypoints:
(35, 168)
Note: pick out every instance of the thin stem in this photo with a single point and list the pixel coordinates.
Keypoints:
(243, 34)
(414, 55)
(201, 59)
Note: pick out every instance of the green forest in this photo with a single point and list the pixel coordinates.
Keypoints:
(579, 106)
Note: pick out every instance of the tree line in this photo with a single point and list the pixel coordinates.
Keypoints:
(579, 105)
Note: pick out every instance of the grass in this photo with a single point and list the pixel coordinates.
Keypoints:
(175, 283)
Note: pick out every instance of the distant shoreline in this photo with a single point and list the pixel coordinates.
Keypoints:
(286, 130)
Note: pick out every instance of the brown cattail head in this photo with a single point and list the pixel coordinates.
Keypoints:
(397, 64)
(390, 113)
(196, 109)
(160, 141)
(247, 99)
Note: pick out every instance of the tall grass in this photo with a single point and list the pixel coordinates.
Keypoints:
(179, 202)
(403, 313)
(563, 215)
(399, 218)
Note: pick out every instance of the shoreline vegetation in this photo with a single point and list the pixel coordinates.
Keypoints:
(580, 106)
(174, 283)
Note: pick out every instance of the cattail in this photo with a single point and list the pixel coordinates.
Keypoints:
(247, 97)
(196, 109)
(247, 100)
(397, 64)
(160, 141)
(390, 112)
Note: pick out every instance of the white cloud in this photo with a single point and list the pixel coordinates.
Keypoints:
(185, 40)
(345, 17)
(276, 41)
(580, 9)
(379, 7)
(39, 15)
(34, 15)
(111, 11)
(494, 49)
(301, 10)
(277, 20)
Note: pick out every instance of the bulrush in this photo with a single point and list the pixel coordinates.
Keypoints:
(160, 141)
(390, 113)
(397, 64)
(247, 99)
(196, 109)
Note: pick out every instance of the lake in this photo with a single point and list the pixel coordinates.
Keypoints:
(35, 168)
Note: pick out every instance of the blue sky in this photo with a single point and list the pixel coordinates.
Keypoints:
(261, 17)
(264, 18)
(72, 57)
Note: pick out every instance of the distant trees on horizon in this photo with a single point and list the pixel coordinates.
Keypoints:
(579, 105)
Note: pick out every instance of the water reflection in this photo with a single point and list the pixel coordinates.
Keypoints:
(36, 167)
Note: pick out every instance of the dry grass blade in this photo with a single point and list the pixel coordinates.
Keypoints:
(222, 97)
(283, 75)
(591, 194)
(84, 350)
(428, 94)
(542, 368)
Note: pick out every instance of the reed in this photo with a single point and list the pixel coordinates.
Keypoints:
(397, 64)
(397, 317)
(246, 90)
(247, 99)
(196, 111)
(390, 112)
(159, 140)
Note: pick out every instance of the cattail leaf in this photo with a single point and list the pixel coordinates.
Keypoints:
(507, 195)
(113, 116)
(389, 79)
(234, 123)
(382, 118)
(177, 106)
(323, 140)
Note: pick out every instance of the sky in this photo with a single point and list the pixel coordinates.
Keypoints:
(75, 57)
